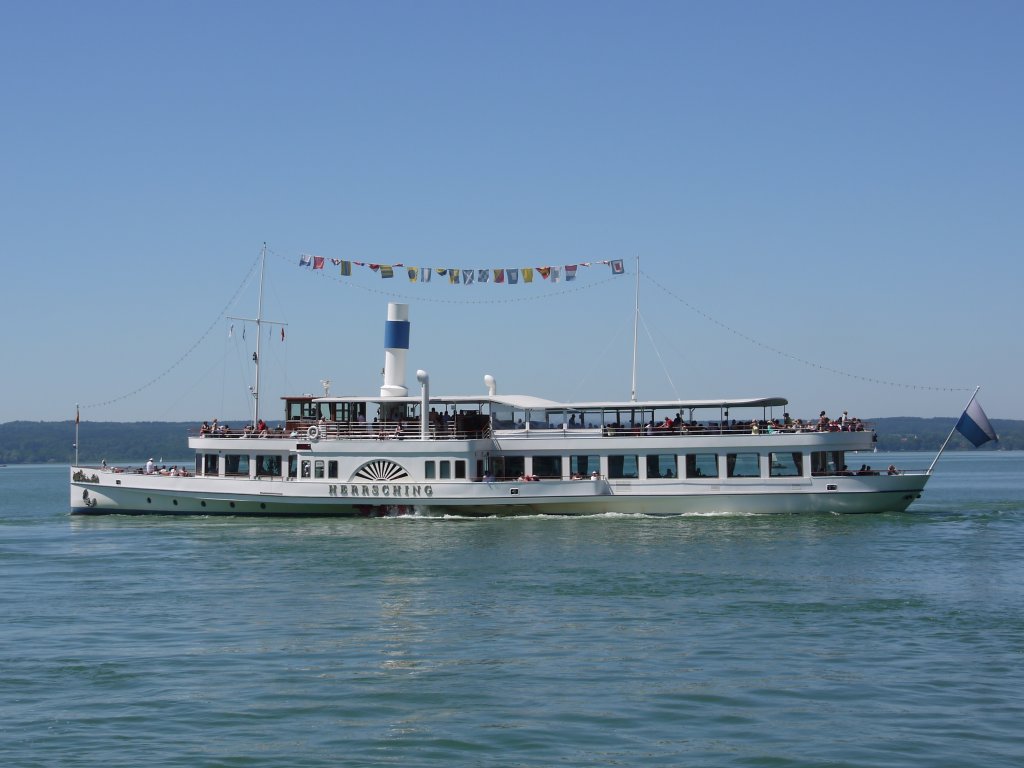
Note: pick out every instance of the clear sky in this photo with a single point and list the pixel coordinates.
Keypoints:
(827, 200)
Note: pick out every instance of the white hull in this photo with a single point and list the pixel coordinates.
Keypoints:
(104, 492)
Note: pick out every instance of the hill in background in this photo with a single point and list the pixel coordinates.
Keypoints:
(40, 442)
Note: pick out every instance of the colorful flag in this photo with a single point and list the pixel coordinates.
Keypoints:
(513, 276)
(346, 268)
(335, 262)
(453, 276)
(499, 275)
(618, 267)
(468, 276)
(282, 333)
(305, 260)
(570, 272)
(231, 331)
(386, 271)
(527, 274)
(425, 275)
(483, 275)
(975, 426)
(413, 274)
(318, 262)
(544, 272)
(441, 271)
(556, 274)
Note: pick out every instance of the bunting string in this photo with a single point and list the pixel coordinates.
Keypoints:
(795, 358)
(464, 276)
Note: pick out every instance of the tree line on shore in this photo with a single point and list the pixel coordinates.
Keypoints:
(42, 442)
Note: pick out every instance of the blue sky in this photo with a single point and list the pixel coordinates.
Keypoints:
(826, 199)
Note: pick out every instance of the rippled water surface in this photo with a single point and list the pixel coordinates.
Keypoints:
(879, 640)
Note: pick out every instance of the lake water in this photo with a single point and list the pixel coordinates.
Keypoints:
(879, 640)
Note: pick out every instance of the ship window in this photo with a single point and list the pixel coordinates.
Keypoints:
(548, 466)
(661, 465)
(210, 464)
(621, 467)
(702, 465)
(268, 465)
(293, 466)
(446, 470)
(460, 469)
(199, 464)
(827, 462)
(742, 465)
(584, 466)
(236, 465)
(508, 467)
(429, 470)
(332, 470)
(786, 464)
(305, 467)
(318, 469)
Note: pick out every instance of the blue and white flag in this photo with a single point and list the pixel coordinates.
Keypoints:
(974, 425)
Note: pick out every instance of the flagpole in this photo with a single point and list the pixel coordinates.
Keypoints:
(76, 433)
(636, 320)
(259, 335)
(950, 435)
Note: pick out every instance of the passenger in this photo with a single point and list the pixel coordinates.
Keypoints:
(204, 430)
(149, 466)
(893, 470)
(755, 428)
(595, 475)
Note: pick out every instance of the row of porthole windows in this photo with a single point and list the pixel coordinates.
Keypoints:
(231, 504)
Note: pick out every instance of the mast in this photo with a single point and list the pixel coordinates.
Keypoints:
(636, 319)
(260, 322)
(259, 337)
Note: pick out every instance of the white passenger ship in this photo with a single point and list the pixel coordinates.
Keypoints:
(492, 454)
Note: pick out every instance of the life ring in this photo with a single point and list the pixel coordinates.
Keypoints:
(313, 432)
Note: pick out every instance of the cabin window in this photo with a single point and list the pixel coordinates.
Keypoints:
(429, 470)
(305, 467)
(236, 465)
(584, 466)
(623, 467)
(508, 466)
(702, 465)
(661, 465)
(460, 469)
(318, 469)
(446, 469)
(199, 463)
(827, 462)
(268, 465)
(210, 464)
(786, 464)
(332, 470)
(548, 466)
(293, 466)
(742, 465)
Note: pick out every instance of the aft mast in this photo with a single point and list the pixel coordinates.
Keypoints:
(636, 320)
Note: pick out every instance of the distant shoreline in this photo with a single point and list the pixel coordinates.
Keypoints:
(52, 442)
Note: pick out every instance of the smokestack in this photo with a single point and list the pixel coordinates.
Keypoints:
(396, 347)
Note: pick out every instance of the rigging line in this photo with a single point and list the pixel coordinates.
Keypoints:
(793, 357)
(395, 294)
(661, 360)
(598, 359)
(188, 352)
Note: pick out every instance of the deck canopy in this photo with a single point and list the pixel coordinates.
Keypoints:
(531, 403)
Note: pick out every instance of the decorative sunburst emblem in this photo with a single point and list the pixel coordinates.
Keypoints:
(381, 471)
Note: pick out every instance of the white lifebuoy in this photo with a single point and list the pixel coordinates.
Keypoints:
(313, 432)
